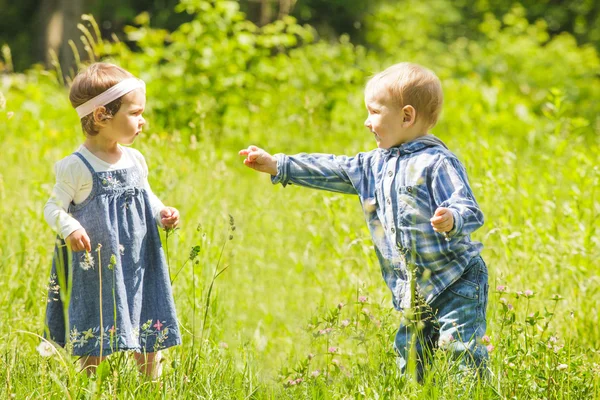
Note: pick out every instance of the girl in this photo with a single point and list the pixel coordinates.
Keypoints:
(103, 207)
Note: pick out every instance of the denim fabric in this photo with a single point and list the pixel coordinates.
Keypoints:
(454, 322)
(136, 287)
(400, 189)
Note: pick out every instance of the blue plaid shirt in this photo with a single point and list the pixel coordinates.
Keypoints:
(400, 189)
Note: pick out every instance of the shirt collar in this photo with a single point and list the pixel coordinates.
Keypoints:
(414, 145)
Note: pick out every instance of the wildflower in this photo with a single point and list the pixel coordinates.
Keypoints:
(298, 381)
(556, 297)
(486, 339)
(87, 261)
(88, 334)
(335, 362)
(503, 300)
(291, 382)
(45, 349)
(332, 350)
(501, 288)
(310, 356)
(528, 293)
(113, 262)
(223, 345)
(112, 330)
(340, 306)
(490, 348)
(315, 373)
(158, 325)
(362, 299)
(561, 367)
(510, 307)
(445, 340)
(345, 323)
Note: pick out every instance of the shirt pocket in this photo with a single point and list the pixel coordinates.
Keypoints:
(413, 205)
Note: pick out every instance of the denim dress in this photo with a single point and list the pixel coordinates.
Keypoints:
(120, 293)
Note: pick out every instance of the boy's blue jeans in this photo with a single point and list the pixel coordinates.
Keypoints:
(454, 321)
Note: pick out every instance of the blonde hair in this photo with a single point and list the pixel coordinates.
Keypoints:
(410, 84)
(92, 81)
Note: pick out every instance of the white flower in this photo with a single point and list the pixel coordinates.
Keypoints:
(560, 367)
(45, 349)
(87, 261)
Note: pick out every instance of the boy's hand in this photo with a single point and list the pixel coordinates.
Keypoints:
(169, 217)
(259, 160)
(443, 220)
(79, 240)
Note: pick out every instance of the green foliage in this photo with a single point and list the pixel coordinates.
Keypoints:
(525, 125)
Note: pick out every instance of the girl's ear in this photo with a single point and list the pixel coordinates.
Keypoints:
(409, 115)
(100, 116)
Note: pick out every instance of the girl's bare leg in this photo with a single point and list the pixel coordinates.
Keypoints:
(149, 364)
(89, 363)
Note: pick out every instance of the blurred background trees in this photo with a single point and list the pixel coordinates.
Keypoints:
(33, 27)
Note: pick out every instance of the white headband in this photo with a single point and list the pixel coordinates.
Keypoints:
(112, 93)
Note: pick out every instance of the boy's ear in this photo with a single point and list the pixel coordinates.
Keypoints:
(409, 115)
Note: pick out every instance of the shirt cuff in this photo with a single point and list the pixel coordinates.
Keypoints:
(69, 228)
(282, 170)
(458, 223)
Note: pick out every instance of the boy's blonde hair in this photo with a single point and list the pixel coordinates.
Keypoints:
(92, 81)
(410, 84)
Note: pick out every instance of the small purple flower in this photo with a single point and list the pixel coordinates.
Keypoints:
(501, 288)
(340, 306)
(362, 299)
(490, 348)
(528, 293)
(316, 373)
(486, 339)
(345, 323)
(332, 350)
(510, 307)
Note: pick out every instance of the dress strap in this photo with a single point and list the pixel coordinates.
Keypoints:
(86, 162)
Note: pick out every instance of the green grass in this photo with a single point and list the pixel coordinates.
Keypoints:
(296, 254)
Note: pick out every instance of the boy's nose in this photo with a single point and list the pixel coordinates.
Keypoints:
(367, 123)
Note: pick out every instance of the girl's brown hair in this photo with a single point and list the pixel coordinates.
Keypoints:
(92, 81)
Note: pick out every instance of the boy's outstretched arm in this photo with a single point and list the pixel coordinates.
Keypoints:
(318, 171)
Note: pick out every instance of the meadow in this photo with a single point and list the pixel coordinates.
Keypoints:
(299, 309)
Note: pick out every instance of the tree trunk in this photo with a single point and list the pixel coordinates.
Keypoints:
(71, 11)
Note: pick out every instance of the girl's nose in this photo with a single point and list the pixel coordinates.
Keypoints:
(367, 123)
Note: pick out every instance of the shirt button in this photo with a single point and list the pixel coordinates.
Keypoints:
(388, 201)
(393, 230)
(409, 189)
(390, 173)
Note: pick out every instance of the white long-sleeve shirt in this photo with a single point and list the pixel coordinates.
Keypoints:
(74, 184)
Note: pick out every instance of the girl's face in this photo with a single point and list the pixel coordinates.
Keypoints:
(127, 123)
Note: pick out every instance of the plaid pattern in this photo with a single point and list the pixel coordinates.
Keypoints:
(400, 189)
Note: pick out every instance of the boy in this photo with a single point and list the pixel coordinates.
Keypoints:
(419, 208)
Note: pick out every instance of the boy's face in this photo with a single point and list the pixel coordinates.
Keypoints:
(385, 120)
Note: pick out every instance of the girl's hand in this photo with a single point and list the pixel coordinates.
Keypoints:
(169, 217)
(442, 220)
(260, 160)
(79, 240)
